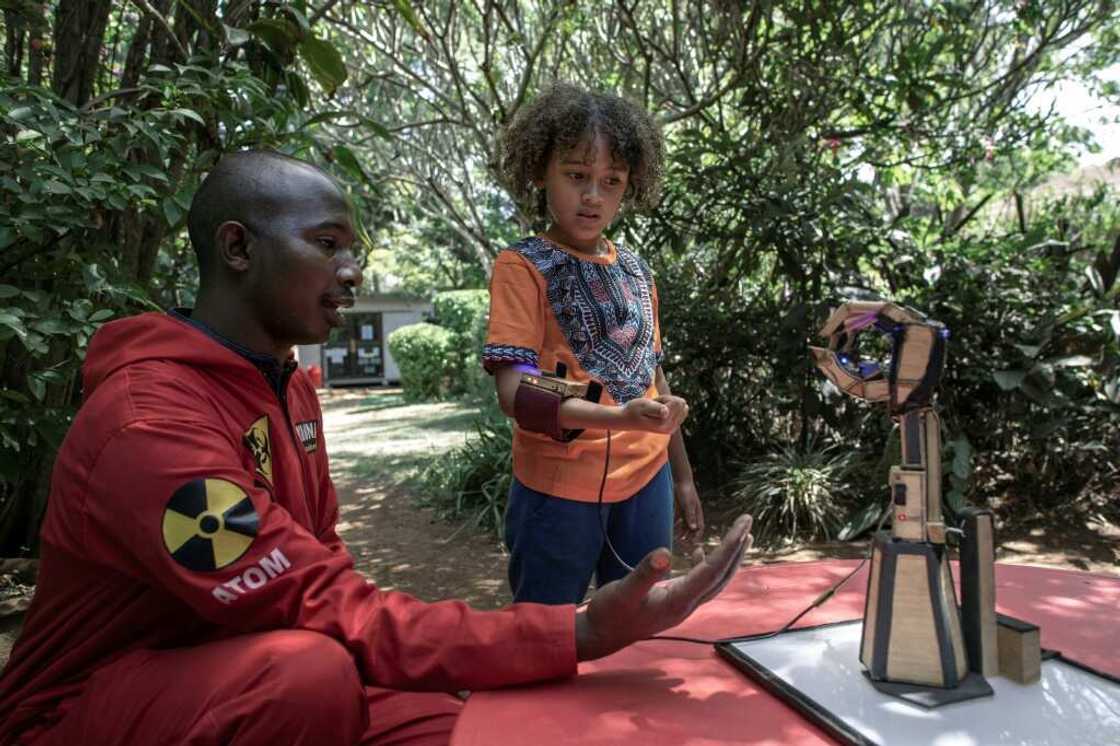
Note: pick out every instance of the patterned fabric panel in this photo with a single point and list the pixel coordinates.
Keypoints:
(605, 312)
(494, 356)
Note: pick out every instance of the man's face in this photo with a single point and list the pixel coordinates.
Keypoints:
(302, 268)
(585, 187)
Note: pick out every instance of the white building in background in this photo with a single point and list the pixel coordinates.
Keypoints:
(358, 353)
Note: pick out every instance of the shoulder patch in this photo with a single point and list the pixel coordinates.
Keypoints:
(208, 524)
(257, 440)
(308, 432)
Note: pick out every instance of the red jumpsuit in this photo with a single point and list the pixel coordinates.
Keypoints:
(192, 587)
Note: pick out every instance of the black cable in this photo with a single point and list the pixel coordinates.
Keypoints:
(819, 600)
(816, 602)
(599, 507)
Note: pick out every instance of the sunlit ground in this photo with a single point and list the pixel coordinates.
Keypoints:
(379, 445)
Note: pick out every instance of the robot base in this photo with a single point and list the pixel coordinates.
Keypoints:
(911, 624)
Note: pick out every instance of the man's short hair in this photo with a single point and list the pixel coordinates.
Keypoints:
(241, 186)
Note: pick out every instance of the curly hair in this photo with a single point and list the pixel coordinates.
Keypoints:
(564, 116)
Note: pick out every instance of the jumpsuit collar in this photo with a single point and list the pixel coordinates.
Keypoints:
(275, 374)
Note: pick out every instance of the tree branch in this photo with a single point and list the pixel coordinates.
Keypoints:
(146, 7)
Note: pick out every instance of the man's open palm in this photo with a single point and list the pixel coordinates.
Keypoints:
(638, 606)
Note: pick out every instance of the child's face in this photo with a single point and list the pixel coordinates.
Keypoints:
(585, 187)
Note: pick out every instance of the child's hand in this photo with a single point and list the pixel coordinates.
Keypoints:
(647, 415)
(678, 407)
(661, 415)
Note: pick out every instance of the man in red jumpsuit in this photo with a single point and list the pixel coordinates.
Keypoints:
(192, 588)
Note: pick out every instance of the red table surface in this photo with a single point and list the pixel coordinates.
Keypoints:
(658, 693)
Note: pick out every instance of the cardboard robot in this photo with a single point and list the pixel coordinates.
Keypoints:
(914, 634)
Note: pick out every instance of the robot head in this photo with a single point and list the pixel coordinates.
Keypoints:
(908, 378)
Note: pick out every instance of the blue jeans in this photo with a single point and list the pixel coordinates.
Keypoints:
(556, 545)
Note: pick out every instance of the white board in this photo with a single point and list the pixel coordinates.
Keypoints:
(1068, 706)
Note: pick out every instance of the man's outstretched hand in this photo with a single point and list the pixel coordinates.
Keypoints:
(637, 606)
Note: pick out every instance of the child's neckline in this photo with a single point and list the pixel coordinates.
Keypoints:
(608, 258)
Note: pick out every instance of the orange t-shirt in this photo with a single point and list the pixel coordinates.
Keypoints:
(598, 316)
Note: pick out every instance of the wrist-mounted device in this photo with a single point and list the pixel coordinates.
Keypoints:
(539, 396)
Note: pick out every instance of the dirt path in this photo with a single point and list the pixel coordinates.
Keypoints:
(378, 446)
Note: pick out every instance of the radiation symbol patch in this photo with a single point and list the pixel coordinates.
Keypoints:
(208, 524)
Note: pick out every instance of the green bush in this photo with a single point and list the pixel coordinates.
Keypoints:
(473, 480)
(421, 352)
(463, 313)
(795, 493)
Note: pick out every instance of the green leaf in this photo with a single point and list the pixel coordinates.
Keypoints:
(1029, 350)
(50, 326)
(378, 128)
(154, 172)
(27, 136)
(1095, 279)
(20, 112)
(301, 19)
(190, 114)
(324, 61)
(1009, 380)
(15, 396)
(236, 37)
(859, 522)
(326, 116)
(1072, 361)
(954, 498)
(277, 34)
(13, 323)
(962, 458)
(183, 198)
(79, 310)
(298, 88)
(93, 278)
(37, 386)
(171, 211)
(101, 315)
(345, 157)
(7, 291)
(405, 9)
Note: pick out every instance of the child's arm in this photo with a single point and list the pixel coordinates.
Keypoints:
(690, 513)
(575, 414)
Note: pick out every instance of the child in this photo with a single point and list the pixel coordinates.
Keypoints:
(573, 298)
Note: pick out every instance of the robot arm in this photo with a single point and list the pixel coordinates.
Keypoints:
(908, 379)
(906, 382)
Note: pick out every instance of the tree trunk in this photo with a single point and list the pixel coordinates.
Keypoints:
(36, 54)
(78, 30)
(13, 43)
(163, 51)
(137, 53)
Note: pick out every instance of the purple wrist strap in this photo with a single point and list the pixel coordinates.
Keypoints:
(526, 368)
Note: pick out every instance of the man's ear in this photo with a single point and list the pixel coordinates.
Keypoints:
(231, 244)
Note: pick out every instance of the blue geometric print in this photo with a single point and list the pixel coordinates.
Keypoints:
(605, 312)
(495, 355)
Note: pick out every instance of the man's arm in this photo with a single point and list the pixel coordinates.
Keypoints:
(171, 504)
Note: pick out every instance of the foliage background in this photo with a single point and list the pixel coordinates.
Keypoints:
(816, 151)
